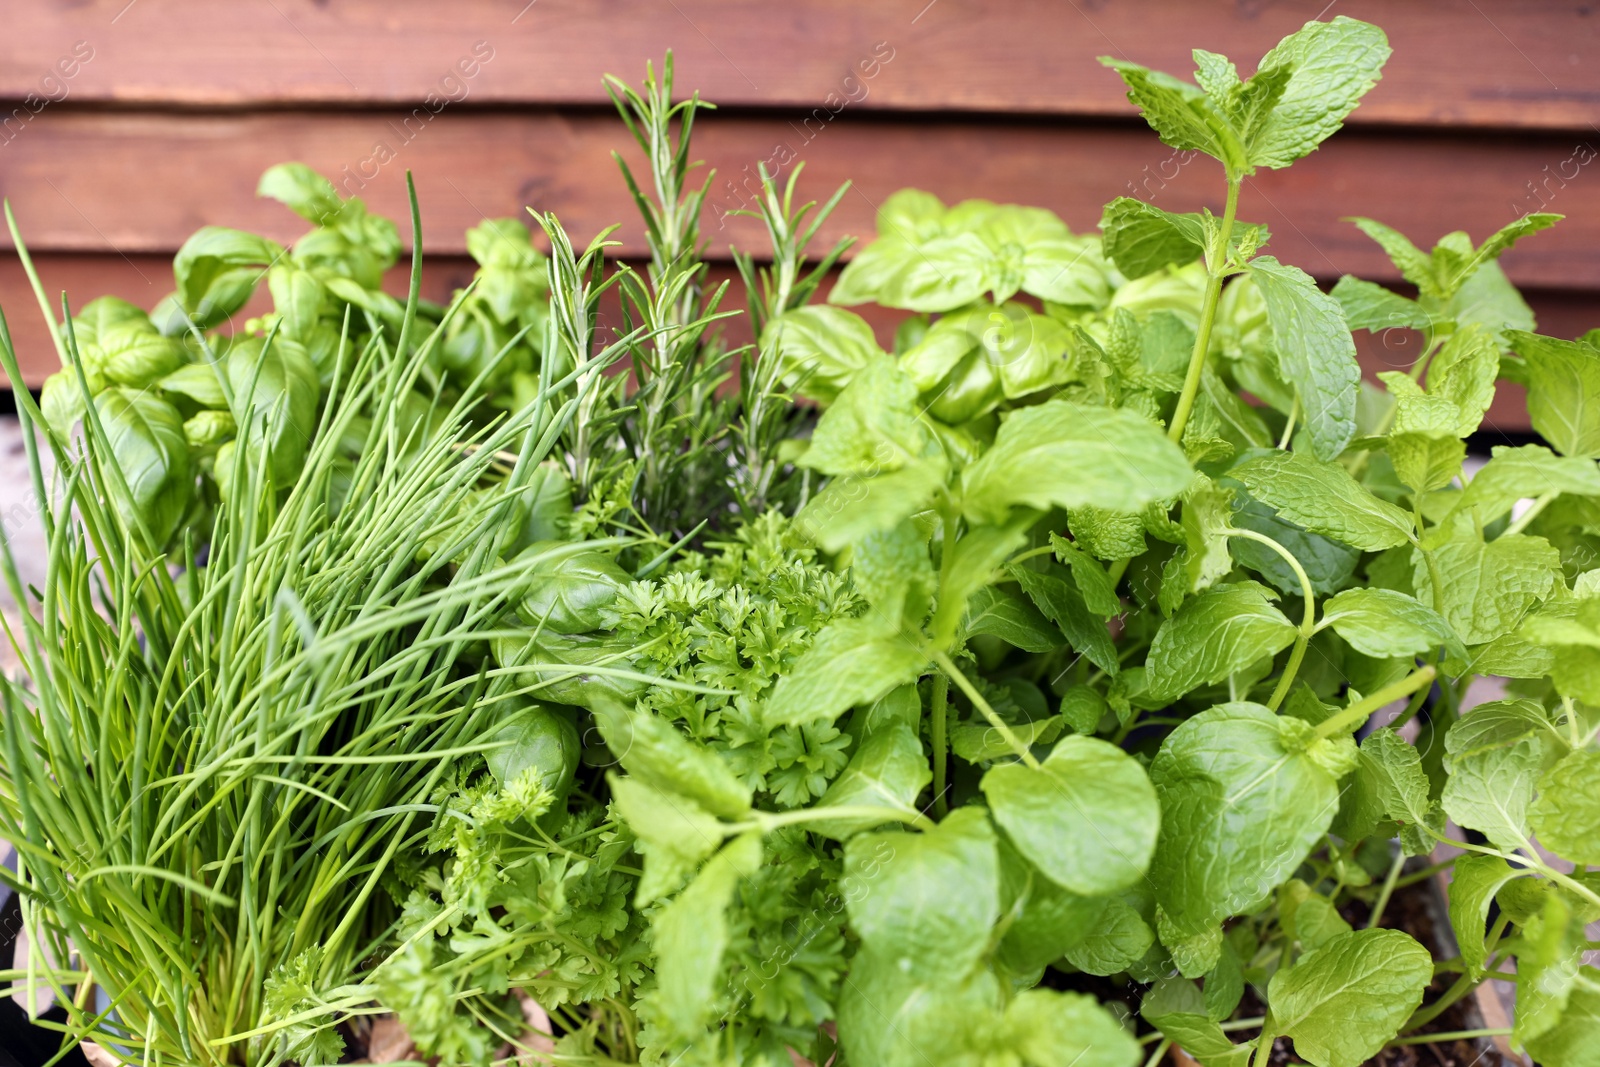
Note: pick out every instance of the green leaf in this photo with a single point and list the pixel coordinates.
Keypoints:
(1315, 352)
(1342, 1002)
(1389, 783)
(1141, 238)
(1574, 1041)
(1563, 391)
(573, 589)
(275, 394)
(145, 434)
(1369, 306)
(1067, 455)
(889, 770)
(1474, 881)
(851, 661)
(1099, 594)
(1383, 623)
(1059, 599)
(538, 738)
(1494, 753)
(1489, 587)
(1328, 563)
(872, 427)
(674, 834)
(1331, 66)
(1215, 633)
(1087, 818)
(217, 270)
(1117, 942)
(926, 901)
(974, 562)
(1045, 920)
(1202, 1039)
(1425, 461)
(691, 934)
(1000, 613)
(199, 382)
(1415, 265)
(1243, 802)
(1526, 471)
(1181, 114)
(652, 750)
(893, 1017)
(1566, 815)
(853, 507)
(1323, 498)
(1052, 1029)
(303, 191)
(1452, 279)
(1308, 917)
(821, 349)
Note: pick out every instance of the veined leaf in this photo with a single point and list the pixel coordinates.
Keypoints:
(1344, 1001)
(1315, 352)
(1217, 632)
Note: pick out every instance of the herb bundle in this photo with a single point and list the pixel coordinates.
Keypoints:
(1044, 649)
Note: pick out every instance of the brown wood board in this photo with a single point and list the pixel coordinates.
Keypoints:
(143, 182)
(1526, 65)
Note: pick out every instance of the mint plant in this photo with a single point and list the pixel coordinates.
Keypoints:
(1106, 626)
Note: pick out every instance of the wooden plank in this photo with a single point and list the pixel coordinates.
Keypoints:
(142, 182)
(1533, 65)
(143, 279)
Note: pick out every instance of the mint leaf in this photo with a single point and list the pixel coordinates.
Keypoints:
(1087, 818)
(890, 1016)
(926, 901)
(1494, 753)
(1489, 587)
(1331, 65)
(1052, 1029)
(1563, 391)
(1202, 1039)
(1369, 306)
(1222, 630)
(1240, 810)
(1315, 352)
(1181, 114)
(1060, 454)
(674, 834)
(1566, 815)
(852, 661)
(1474, 881)
(1383, 623)
(1342, 1002)
(999, 613)
(1060, 600)
(1141, 238)
(654, 752)
(872, 427)
(1118, 941)
(1414, 265)
(853, 507)
(1530, 470)
(1045, 920)
(889, 770)
(691, 934)
(1574, 1039)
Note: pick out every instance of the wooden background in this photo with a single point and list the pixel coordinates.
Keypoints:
(1487, 110)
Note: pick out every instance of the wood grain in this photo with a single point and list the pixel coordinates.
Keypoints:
(143, 279)
(1526, 65)
(143, 181)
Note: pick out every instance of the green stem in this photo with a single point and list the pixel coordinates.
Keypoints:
(1449, 1035)
(1415, 705)
(1308, 623)
(947, 665)
(1161, 1050)
(1216, 266)
(767, 822)
(941, 705)
(1288, 427)
(1356, 714)
(1264, 1041)
(1426, 873)
(1387, 890)
(1531, 514)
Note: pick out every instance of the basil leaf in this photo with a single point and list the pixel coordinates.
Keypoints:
(820, 349)
(1315, 352)
(1215, 633)
(1342, 1002)
(926, 901)
(1067, 455)
(1087, 818)
(145, 434)
(1323, 498)
(275, 393)
(217, 270)
(573, 589)
(889, 770)
(303, 191)
(538, 738)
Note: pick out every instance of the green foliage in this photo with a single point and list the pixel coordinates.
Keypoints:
(407, 658)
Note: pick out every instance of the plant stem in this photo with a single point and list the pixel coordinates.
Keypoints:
(1424, 874)
(1006, 733)
(1288, 427)
(1357, 713)
(1388, 889)
(1532, 513)
(941, 705)
(1216, 265)
(1308, 622)
(1450, 1035)
(1159, 1053)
